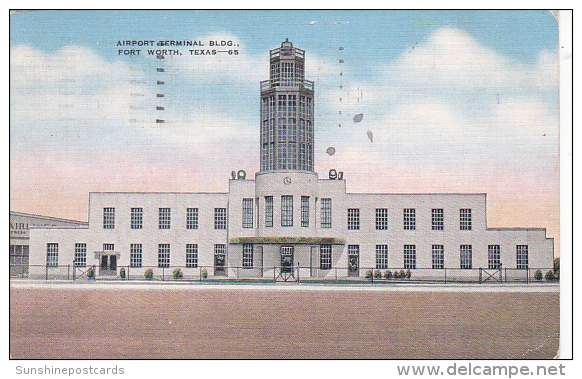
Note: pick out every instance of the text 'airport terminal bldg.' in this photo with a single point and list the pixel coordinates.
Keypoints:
(288, 222)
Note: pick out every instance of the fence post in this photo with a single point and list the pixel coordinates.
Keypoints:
(74, 273)
(480, 276)
(336, 274)
(46, 272)
(200, 272)
(527, 276)
(298, 270)
(445, 275)
(274, 273)
(506, 275)
(237, 273)
(163, 274)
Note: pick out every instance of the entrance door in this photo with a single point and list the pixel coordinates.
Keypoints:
(219, 263)
(286, 258)
(108, 265)
(113, 262)
(353, 260)
(104, 265)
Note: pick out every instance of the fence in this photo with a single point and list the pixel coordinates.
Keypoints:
(286, 273)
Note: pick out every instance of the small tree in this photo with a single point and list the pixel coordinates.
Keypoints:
(557, 266)
(402, 274)
(122, 273)
(204, 273)
(538, 275)
(148, 274)
(377, 274)
(369, 274)
(550, 275)
(178, 274)
(90, 273)
(408, 274)
(396, 274)
(388, 274)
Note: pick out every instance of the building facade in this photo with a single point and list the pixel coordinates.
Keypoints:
(287, 221)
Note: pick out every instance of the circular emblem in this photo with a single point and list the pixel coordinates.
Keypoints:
(287, 180)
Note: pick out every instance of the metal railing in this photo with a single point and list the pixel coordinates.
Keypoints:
(295, 273)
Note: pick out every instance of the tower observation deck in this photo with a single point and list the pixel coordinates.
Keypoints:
(287, 113)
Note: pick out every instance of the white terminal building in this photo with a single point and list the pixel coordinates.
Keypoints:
(287, 221)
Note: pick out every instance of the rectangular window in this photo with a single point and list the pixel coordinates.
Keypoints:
(108, 218)
(305, 211)
(409, 219)
(410, 256)
(108, 247)
(247, 257)
(19, 255)
(381, 218)
(326, 213)
(494, 256)
(438, 219)
(381, 257)
(164, 255)
(219, 218)
(136, 218)
(438, 256)
(164, 218)
(191, 255)
(353, 219)
(52, 254)
(325, 257)
(466, 219)
(80, 255)
(268, 211)
(522, 257)
(191, 218)
(286, 210)
(466, 256)
(247, 213)
(135, 255)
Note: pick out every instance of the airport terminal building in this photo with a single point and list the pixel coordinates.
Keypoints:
(287, 221)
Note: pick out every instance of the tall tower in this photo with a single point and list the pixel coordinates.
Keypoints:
(287, 113)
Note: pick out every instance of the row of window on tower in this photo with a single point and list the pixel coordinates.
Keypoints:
(353, 216)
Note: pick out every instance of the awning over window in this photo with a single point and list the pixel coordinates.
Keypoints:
(289, 240)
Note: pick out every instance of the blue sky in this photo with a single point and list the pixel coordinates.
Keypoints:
(456, 101)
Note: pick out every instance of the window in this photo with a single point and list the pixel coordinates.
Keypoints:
(286, 210)
(164, 255)
(410, 256)
(409, 219)
(108, 218)
(164, 218)
(135, 255)
(381, 257)
(108, 247)
(80, 255)
(191, 218)
(438, 256)
(325, 257)
(19, 255)
(305, 211)
(219, 218)
(326, 213)
(381, 218)
(522, 257)
(52, 254)
(268, 211)
(494, 256)
(247, 213)
(191, 255)
(353, 219)
(466, 256)
(136, 218)
(465, 217)
(438, 219)
(247, 256)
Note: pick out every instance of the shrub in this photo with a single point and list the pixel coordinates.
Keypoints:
(122, 273)
(550, 275)
(178, 274)
(369, 274)
(377, 274)
(90, 273)
(557, 266)
(388, 274)
(408, 274)
(204, 274)
(149, 274)
(402, 274)
(396, 274)
(538, 275)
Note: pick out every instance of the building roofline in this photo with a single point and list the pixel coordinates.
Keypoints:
(46, 217)
(517, 228)
(160, 193)
(418, 193)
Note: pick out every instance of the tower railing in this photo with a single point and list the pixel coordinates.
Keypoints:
(296, 83)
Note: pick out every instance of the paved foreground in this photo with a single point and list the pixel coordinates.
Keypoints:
(141, 321)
